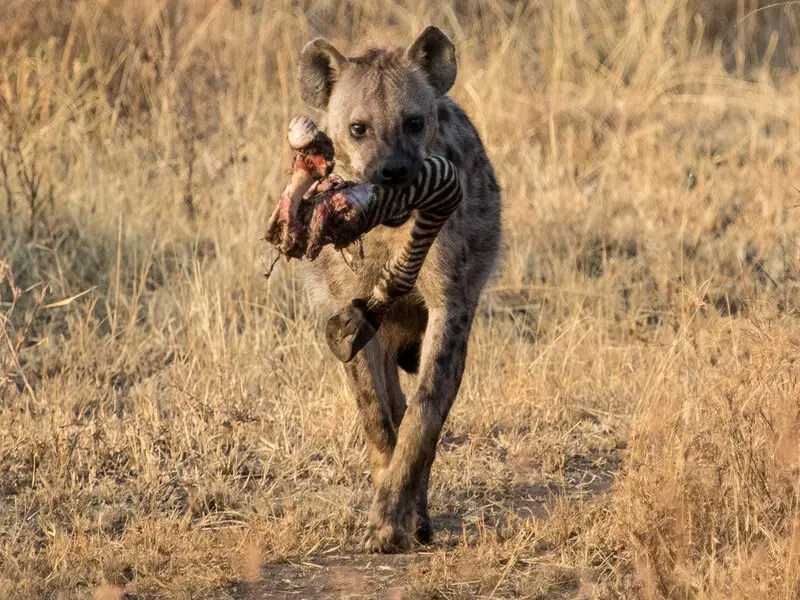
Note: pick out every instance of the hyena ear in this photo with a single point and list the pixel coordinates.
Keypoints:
(320, 65)
(436, 54)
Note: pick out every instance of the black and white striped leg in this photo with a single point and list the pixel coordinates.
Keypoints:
(434, 195)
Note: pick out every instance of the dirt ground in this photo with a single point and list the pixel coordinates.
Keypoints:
(341, 573)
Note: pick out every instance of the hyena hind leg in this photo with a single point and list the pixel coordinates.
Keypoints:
(421, 523)
(395, 395)
(366, 375)
(401, 335)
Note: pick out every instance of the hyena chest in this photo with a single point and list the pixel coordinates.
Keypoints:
(338, 276)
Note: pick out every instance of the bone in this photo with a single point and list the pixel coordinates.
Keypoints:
(302, 132)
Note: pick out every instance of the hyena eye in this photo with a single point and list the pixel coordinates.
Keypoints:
(357, 130)
(414, 124)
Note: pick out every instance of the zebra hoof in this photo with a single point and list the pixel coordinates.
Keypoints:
(349, 330)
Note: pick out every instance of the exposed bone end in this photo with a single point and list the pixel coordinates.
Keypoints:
(302, 132)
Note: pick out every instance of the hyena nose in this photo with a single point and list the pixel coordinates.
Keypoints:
(394, 174)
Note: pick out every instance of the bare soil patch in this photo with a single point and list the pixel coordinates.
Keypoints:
(347, 573)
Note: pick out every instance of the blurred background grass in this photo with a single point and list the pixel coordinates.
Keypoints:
(166, 410)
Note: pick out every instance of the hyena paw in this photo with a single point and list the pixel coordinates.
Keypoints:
(349, 330)
(386, 538)
(424, 530)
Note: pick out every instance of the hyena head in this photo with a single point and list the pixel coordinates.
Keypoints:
(380, 108)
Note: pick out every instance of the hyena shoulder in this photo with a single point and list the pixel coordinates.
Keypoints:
(459, 142)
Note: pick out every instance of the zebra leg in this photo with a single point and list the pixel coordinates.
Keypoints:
(349, 329)
(434, 195)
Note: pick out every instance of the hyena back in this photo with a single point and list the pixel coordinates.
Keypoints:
(386, 111)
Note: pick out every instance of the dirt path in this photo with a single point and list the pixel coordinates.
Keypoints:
(343, 575)
(336, 576)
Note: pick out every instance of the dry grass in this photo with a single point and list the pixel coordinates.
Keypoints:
(180, 423)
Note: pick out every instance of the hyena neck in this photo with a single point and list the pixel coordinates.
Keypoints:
(458, 140)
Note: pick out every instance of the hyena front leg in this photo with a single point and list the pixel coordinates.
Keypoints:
(397, 498)
(423, 528)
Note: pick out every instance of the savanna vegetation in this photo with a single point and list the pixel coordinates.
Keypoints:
(172, 424)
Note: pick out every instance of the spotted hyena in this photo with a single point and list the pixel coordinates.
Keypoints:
(386, 111)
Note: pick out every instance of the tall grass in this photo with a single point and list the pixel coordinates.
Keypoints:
(170, 419)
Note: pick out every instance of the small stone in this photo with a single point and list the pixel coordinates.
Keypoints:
(302, 131)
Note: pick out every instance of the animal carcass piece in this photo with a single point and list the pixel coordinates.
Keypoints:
(318, 208)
